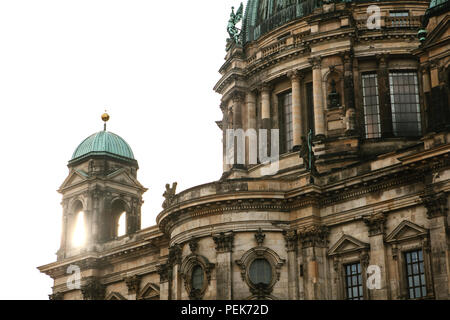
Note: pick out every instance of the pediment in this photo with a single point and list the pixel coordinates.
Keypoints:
(75, 177)
(115, 296)
(439, 32)
(149, 292)
(122, 176)
(406, 230)
(347, 244)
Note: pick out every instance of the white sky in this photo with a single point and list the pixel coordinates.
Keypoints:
(152, 64)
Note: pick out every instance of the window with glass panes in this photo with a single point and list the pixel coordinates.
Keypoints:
(371, 104)
(353, 281)
(405, 104)
(197, 278)
(260, 272)
(415, 271)
(286, 107)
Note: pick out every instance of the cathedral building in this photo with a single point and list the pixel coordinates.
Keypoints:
(336, 170)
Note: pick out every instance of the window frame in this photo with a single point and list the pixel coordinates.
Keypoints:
(364, 107)
(422, 286)
(284, 142)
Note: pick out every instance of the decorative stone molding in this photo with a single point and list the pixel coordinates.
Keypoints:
(260, 237)
(436, 204)
(186, 270)
(193, 245)
(291, 238)
(175, 253)
(314, 236)
(56, 296)
(93, 289)
(260, 253)
(164, 271)
(224, 242)
(133, 283)
(376, 224)
(315, 62)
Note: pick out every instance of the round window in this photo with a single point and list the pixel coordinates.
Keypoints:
(260, 272)
(197, 278)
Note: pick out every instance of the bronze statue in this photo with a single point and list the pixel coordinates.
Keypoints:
(169, 194)
(307, 153)
(233, 31)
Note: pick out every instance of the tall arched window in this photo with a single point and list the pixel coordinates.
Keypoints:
(260, 272)
(122, 227)
(79, 234)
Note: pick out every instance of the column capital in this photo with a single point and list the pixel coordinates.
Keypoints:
(296, 75)
(238, 96)
(93, 289)
(265, 87)
(382, 58)
(291, 239)
(314, 236)
(193, 245)
(133, 283)
(436, 204)
(376, 224)
(175, 255)
(315, 62)
(224, 242)
(164, 272)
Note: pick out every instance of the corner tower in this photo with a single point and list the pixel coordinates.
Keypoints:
(100, 192)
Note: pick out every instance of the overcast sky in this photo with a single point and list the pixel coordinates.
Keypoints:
(151, 64)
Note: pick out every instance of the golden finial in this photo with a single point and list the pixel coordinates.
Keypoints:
(105, 118)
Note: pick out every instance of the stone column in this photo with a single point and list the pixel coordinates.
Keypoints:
(376, 224)
(64, 230)
(265, 106)
(251, 110)
(93, 289)
(224, 268)
(293, 274)
(165, 273)
(319, 112)
(251, 125)
(349, 94)
(133, 284)
(175, 255)
(314, 241)
(296, 110)
(437, 211)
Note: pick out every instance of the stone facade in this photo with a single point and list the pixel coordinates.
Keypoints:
(376, 201)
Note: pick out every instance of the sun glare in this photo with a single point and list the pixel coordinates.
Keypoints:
(79, 235)
(122, 225)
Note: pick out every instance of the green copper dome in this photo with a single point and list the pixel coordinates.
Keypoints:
(435, 3)
(262, 16)
(103, 143)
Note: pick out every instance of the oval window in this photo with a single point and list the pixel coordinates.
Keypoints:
(197, 278)
(260, 272)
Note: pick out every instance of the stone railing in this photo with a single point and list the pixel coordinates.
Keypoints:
(273, 48)
(392, 23)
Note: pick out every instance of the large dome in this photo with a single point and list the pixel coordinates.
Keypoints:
(262, 16)
(103, 143)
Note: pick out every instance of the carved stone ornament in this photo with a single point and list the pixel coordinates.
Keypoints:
(169, 195)
(260, 236)
(260, 253)
(164, 271)
(133, 283)
(314, 236)
(376, 224)
(175, 253)
(224, 242)
(56, 296)
(193, 245)
(93, 289)
(291, 239)
(436, 204)
(186, 269)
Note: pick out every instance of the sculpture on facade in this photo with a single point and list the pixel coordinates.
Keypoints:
(169, 194)
(233, 31)
(307, 153)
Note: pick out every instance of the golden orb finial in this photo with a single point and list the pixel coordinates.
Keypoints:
(105, 118)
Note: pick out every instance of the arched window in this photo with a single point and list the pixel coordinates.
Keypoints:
(260, 272)
(118, 219)
(197, 278)
(122, 228)
(79, 234)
